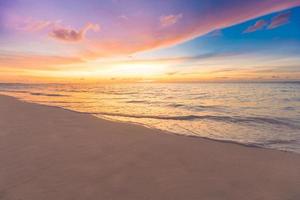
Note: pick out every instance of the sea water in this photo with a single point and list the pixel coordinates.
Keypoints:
(258, 114)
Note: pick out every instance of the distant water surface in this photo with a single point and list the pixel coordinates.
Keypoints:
(259, 114)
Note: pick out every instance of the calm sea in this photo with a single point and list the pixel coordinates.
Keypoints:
(258, 114)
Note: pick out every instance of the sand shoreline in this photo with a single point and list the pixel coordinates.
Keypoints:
(52, 153)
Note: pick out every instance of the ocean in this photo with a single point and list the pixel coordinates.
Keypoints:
(257, 114)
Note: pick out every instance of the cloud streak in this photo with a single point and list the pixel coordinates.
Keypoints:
(257, 26)
(32, 25)
(277, 21)
(169, 20)
(280, 20)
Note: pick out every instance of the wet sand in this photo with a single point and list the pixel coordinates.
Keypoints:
(49, 153)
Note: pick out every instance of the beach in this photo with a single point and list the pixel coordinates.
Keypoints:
(49, 153)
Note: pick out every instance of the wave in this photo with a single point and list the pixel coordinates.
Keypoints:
(228, 119)
(35, 93)
(47, 94)
(115, 92)
(295, 99)
(289, 108)
(197, 107)
(15, 91)
(136, 101)
(176, 105)
(279, 141)
(62, 102)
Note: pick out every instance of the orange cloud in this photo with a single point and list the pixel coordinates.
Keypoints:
(169, 20)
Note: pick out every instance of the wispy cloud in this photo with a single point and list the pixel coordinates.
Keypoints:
(257, 26)
(55, 29)
(215, 33)
(124, 17)
(280, 20)
(38, 25)
(168, 20)
(72, 35)
(31, 25)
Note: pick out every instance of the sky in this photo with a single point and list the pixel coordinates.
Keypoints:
(149, 41)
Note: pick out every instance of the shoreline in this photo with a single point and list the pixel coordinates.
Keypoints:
(49, 152)
(153, 128)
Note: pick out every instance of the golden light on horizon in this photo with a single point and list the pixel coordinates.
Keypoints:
(136, 70)
(111, 71)
(122, 70)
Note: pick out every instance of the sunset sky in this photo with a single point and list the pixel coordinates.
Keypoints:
(143, 40)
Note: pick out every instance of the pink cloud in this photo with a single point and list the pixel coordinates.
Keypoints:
(279, 20)
(54, 28)
(169, 20)
(29, 24)
(257, 26)
(36, 25)
(71, 35)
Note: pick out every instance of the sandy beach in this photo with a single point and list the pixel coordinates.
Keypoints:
(49, 153)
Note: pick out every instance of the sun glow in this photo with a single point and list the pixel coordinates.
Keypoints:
(108, 72)
(133, 70)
